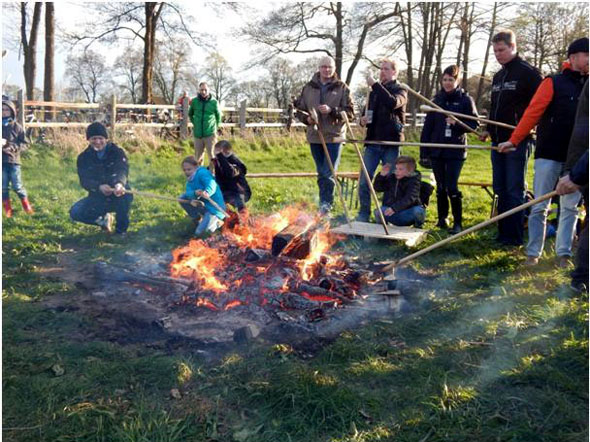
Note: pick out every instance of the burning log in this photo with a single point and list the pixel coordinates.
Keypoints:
(301, 302)
(295, 241)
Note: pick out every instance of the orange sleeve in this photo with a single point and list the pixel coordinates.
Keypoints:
(534, 111)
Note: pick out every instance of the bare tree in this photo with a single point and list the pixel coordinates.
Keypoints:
(29, 44)
(219, 75)
(491, 31)
(88, 72)
(130, 21)
(128, 67)
(170, 67)
(48, 84)
(319, 28)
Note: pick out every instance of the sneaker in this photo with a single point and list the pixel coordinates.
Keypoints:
(105, 222)
(325, 209)
(579, 287)
(531, 261)
(563, 262)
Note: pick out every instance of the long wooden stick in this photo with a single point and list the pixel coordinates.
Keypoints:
(214, 204)
(433, 104)
(427, 108)
(468, 231)
(366, 173)
(314, 117)
(439, 145)
(161, 197)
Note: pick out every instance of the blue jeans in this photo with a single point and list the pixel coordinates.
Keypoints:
(446, 173)
(547, 174)
(373, 155)
(326, 181)
(508, 181)
(11, 174)
(413, 216)
(89, 209)
(209, 223)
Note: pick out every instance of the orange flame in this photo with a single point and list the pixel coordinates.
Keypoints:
(197, 260)
(232, 304)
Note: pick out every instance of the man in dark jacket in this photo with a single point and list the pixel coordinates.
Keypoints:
(230, 174)
(512, 89)
(384, 119)
(577, 180)
(325, 96)
(103, 170)
(13, 143)
(553, 108)
(401, 198)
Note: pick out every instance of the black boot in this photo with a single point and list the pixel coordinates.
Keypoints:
(457, 208)
(442, 206)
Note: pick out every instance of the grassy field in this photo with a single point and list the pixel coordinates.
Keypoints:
(497, 352)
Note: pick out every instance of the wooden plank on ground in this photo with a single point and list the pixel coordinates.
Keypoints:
(410, 235)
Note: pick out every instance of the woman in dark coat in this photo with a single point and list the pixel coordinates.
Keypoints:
(447, 163)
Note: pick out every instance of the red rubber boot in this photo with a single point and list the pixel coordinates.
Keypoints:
(27, 206)
(7, 208)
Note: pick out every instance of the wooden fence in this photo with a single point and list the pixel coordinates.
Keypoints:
(157, 116)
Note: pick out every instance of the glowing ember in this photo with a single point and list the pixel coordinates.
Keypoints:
(223, 276)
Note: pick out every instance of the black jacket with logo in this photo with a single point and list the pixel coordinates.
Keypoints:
(112, 169)
(388, 103)
(435, 125)
(512, 89)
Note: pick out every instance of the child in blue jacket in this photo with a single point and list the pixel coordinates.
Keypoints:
(200, 182)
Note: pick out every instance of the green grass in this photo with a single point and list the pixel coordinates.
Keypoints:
(496, 352)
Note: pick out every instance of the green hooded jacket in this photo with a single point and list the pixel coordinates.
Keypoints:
(205, 116)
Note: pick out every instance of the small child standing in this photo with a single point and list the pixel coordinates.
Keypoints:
(401, 199)
(230, 174)
(201, 183)
(13, 143)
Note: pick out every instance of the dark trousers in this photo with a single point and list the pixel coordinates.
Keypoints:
(446, 173)
(580, 273)
(508, 181)
(326, 181)
(89, 209)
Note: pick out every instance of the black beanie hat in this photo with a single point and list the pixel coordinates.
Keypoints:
(96, 129)
(579, 45)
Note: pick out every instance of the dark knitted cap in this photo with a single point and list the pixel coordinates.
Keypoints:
(579, 45)
(96, 129)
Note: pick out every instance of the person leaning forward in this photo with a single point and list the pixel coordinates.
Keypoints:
(327, 96)
(385, 119)
(512, 89)
(205, 115)
(103, 169)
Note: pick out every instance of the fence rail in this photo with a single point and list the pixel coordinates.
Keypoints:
(156, 116)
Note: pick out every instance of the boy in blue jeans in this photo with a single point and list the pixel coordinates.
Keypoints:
(13, 143)
(401, 198)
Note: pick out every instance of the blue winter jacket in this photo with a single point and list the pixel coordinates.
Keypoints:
(202, 179)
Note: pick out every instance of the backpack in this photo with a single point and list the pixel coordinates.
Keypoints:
(426, 190)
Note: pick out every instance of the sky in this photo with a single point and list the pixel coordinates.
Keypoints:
(217, 28)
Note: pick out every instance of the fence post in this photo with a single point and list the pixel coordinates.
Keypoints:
(184, 121)
(113, 115)
(21, 108)
(414, 118)
(242, 121)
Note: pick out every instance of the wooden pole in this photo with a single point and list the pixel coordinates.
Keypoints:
(439, 145)
(242, 115)
(214, 204)
(366, 173)
(472, 229)
(433, 104)
(162, 197)
(426, 108)
(113, 115)
(184, 121)
(318, 129)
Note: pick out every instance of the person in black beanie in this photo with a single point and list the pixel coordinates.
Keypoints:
(103, 170)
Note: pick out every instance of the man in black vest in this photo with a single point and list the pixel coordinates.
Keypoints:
(553, 109)
(512, 89)
(385, 118)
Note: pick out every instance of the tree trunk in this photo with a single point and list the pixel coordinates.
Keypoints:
(338, 43)
(152, 15)
(48, 89)
(487, 55)
(30, 47)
